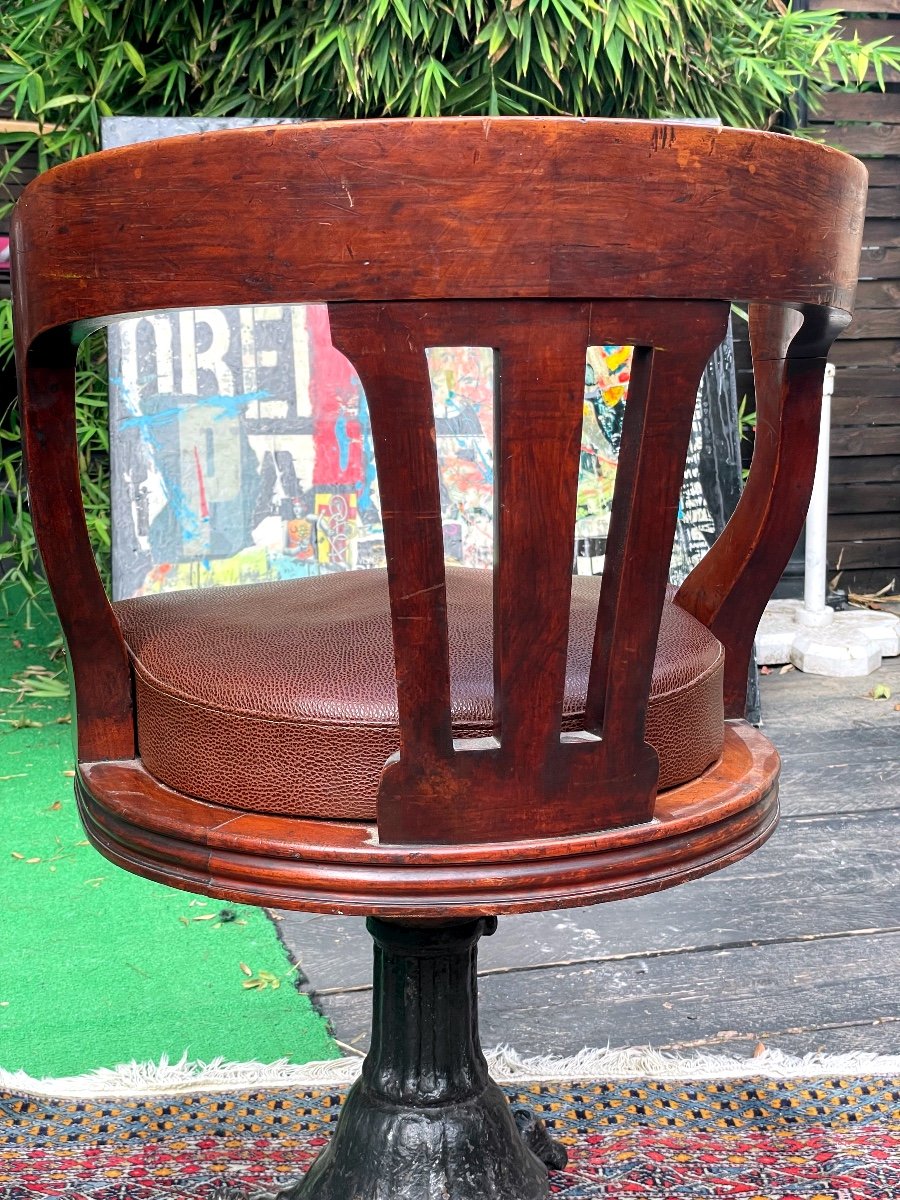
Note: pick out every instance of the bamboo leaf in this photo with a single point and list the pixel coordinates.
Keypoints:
(135, 59)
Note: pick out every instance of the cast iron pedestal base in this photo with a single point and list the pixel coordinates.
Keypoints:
(425, 1121)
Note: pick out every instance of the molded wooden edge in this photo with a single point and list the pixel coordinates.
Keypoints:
(127, 791)
(615, 865)
(471, 899)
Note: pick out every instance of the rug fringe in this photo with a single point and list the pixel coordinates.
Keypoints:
(167, 1078)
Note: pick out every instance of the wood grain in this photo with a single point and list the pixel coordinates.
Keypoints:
(340, 867)
(865, 439)
(871, 29)
(435, 791)
(826, 877)
(884, 201)
(850, 554)
(883, 468)
(867, 352)
(865, 498)
(730, 586)
(883, 107)
(792, 899)
(863, 6)
(865, 382)
(875, 323)
(860, 139)
(877, 294)
(863, 527)
(866, 410)
(505, 215)
(883, 172)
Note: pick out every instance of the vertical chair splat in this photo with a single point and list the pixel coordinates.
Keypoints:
(438, 790)
(384, 344)
(658, 415)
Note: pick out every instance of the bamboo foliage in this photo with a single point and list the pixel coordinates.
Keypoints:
(65, 64)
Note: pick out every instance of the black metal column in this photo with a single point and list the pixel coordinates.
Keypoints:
(425, 1121)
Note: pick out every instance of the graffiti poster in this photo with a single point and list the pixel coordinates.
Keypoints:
(242, 451)
(241, 447)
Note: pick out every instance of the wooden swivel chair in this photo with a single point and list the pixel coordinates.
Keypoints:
(429, 747)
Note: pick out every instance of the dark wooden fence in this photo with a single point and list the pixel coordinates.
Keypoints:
(864, 499)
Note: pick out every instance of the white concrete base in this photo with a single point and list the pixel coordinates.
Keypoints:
(777, 629)
(852, 642)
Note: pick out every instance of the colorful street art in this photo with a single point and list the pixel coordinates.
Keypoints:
(242, 451)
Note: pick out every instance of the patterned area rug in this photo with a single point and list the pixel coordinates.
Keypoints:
(764, 1139)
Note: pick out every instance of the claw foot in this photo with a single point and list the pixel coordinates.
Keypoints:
(538, 1140)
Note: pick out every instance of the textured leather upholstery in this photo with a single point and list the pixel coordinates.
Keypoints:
(280, 697)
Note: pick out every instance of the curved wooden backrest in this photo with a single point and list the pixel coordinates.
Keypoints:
(537, 237)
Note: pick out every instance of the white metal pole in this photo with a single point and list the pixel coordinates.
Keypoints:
(815, 611)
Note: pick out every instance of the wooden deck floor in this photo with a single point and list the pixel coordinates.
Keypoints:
(797, 946)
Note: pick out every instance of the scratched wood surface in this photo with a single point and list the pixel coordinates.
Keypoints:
(798, 945)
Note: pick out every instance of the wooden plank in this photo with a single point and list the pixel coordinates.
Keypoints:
(883, 469)
(863, 527)
(883, 172)
(838, 748)
(746, 994)
(13, 186)
(883, 201)
(865, 352)
(879, 262)
(867, 581)
(866, 382)
(872, 29)
(860, 139)
(865, 439)
(885, 553)
(883, 107)
(874, 323)
(668, 1001)
(866, 410)
(834, 1037)
(863, 6)
(851, 758)
(879, 293)
(881, 232)
(807, 715)
(864, 498)
(784, 879)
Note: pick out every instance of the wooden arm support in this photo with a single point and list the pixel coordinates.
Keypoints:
(98, 659)
(729, 588)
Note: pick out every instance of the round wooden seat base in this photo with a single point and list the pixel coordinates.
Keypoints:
(341, 867)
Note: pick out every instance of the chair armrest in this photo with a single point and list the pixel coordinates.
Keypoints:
(730, 586)
(98, 658)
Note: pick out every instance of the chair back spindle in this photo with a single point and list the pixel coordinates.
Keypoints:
(439, 790)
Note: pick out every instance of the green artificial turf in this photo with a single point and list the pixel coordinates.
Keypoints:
(97, 966)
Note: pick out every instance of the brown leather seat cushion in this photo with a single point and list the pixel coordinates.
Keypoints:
(280, 697)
